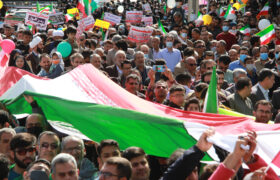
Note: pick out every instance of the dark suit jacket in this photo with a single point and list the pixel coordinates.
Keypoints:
(112, 71)
(256, 94)
(34, 60)
(276, 99)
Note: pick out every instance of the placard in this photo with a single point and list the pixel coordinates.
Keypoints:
(88, 22)
(139, 34)
(111, 18)
(102, 24)
(147, 20)
(134, 16)
(37, 19)
(57, 18)
(186, 8)
(147, 8)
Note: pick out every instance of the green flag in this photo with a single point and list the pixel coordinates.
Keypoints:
(38, 6)
(211, 99)
(160, 26)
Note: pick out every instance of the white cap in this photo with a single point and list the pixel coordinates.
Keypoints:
(59, 33)
(35, 42)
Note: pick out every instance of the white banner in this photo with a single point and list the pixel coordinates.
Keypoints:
(57, 18)
(111, 18)
(147, 8)
(37, 19)
(147, 20)
(139, 34)
(134, 16)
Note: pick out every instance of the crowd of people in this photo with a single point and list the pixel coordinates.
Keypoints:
(172, 68)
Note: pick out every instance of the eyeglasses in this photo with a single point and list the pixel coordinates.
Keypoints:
(63, 174)
(77, 148)
(265, 112)
(192, 64)
(163, 87)
(23, 151)
(47, 145)
(133, 83)
(107, 174)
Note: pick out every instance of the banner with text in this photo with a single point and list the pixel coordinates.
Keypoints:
(147, 8)
(139, 34)
(37, 19)
(88, 22)
(134, 16)
(148, 21)
(111, 18)
(57, 18)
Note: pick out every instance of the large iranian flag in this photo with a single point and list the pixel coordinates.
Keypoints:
(267, 34)
(86, 103)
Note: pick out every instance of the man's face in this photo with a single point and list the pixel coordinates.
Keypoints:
(5, 143)
(195, 35)
(200, 48)
(75, 148)
(233, 55)
(204, 36)
(193, 107)
(45, 63)
(126, 69)
(220, 48)
(139, 60)
(178, 98)
(132, 85)
(161, 90)
(96, 62)
(191, 65)
(107, 152)
(24, 156)
(263, 114)
(48, 147)
(248, 89)
(155, 42)
(140, 168)
(120, 57)
(221, 79)
(33, 121)
(27, 39)
(169, 39)
(145, 49)
(109, 172)
(270, 81)
(71, 36)
(223, 67)
(8, 32)
(77, 61)
(263, 50)
(107, 47)
(37, 167)
(65, 171)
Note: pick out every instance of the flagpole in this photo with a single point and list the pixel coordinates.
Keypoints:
(267, 168)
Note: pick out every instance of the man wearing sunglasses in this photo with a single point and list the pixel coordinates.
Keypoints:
(23, 152)
(48, 145)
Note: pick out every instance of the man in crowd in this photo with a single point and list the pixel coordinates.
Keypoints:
(139, 163)
(6, 135)
(132, 85)
(263, 111)
(23, 152)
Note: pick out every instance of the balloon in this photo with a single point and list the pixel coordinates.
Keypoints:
(120, 9)
(7, 45)
(264, 23)
(1, 4)
(171, 4)
(237, 6)
(64, 48)
(231, 17)
(207, 19)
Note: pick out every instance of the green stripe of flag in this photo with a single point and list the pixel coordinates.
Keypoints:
(160, 26)
(211, 100)
(158, 136)
(265, 31)
(228, 10)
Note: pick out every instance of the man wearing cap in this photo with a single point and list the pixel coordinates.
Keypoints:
(8, 32)
(57, 37)
(33, 58)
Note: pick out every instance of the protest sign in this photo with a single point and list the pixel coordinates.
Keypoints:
(147, 8)
(147, 20)
(186, 8)
(12, 20)
(57, 18)
(111, 18)
(73, 11)
(139, 34)
(134, 16)
(88, 22)
(102, 24)
(37, 19)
